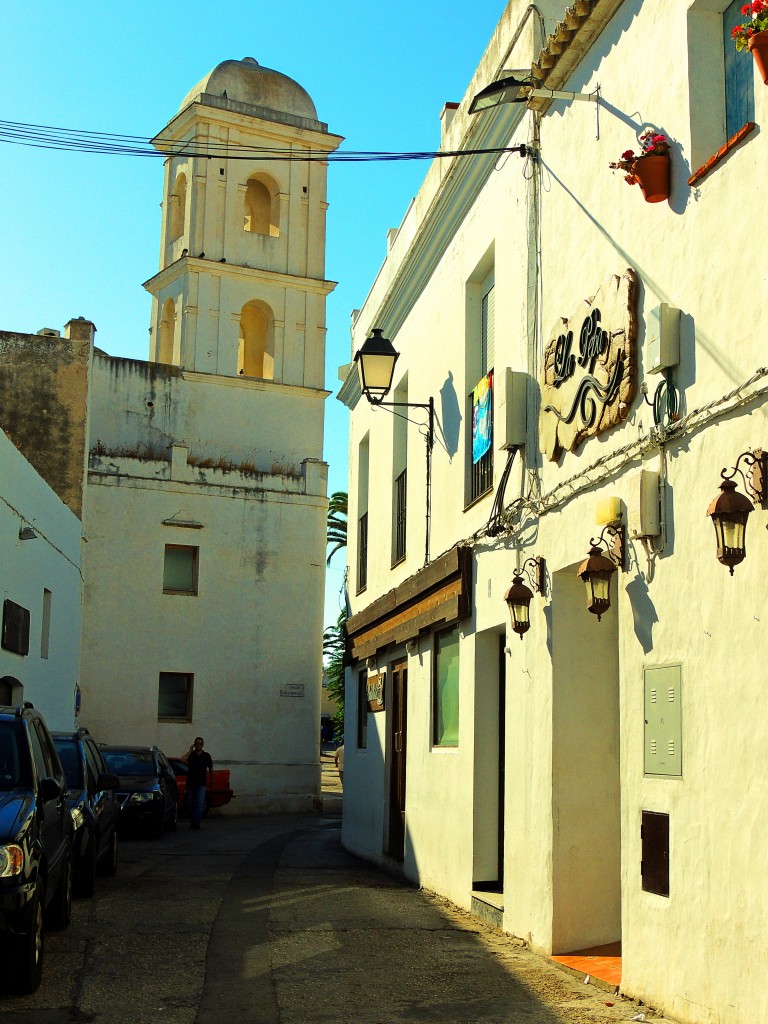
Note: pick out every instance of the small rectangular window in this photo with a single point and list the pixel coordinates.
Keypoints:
(446, 689)
(180, 569)
(362, 552)
(174, 699)
(15, 636)
(362, 709)
(45, 628)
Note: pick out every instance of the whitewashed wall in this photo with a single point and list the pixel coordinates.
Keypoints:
(698, 252)
(50, 562)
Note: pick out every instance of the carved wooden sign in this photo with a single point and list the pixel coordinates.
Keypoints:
(375, 692)
(589, 376)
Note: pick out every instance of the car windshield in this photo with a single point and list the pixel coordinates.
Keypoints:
(11, 767)
(130, 762)
(69, 755)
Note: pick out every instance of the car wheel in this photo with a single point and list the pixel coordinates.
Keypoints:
(174, 822)
(155, 829)
(27, 948)
(108, 863)
(85, 879)
(60, 908)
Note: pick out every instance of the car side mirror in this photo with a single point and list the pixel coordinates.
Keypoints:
(107, 780)
(50, 789)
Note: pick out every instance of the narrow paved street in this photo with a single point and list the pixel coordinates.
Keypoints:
(267, 920)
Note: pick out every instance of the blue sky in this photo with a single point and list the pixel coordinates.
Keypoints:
(81, 232)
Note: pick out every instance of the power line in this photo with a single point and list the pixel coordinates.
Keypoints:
(78, 140)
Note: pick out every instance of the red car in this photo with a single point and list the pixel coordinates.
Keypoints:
(219, 795)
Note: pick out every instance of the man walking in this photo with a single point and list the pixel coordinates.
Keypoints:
(199, 777)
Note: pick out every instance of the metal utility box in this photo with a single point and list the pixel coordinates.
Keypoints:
(511, 408)
(663, 721)
(662, 338)
(644, 504)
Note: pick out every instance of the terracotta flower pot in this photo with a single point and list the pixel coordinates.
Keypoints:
(652, 175)
(758, 47)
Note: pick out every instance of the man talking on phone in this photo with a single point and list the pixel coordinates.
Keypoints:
(199, 777)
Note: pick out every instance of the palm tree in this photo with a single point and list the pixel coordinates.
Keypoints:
(336, 524)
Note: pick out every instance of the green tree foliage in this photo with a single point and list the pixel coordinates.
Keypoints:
(333, 654)
(334, 638)
(336, 529)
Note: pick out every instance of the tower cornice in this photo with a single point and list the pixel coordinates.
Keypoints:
(213, 268)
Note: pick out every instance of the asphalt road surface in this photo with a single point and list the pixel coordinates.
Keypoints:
(269, 921)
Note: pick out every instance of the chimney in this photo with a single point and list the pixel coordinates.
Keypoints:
(446, 116)
(79, 329)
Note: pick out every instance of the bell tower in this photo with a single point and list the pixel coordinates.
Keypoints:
(241, 288)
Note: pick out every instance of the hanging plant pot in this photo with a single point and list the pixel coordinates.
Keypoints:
(758, 47)
(652, 175)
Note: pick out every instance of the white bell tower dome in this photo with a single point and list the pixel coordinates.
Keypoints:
(241, 288)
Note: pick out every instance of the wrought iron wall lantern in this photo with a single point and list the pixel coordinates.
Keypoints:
(600, 564)
(730, 510)
(519, 595)
(376, 367)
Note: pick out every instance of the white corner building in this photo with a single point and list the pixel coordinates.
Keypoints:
(583, 780)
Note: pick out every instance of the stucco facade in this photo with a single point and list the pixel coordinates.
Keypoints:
(41, 580)
(527, 799)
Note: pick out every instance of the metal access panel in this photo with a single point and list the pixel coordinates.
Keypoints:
(654, 839)
(663, 721)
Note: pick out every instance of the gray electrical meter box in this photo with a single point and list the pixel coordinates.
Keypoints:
(662, 338)
(663, 721)
(511, 408)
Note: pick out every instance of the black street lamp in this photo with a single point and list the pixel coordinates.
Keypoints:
(376, 367)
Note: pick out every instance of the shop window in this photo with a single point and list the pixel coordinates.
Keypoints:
(180, 569)
(174, 697)
(445, 689)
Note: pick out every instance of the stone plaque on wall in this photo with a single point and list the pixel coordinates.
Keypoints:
(589, 375)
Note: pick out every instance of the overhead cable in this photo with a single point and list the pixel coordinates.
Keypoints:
(112, 144)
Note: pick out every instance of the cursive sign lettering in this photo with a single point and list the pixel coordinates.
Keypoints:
(593, 341)
(565, 362)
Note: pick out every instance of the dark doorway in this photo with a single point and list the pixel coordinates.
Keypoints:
(397, 739)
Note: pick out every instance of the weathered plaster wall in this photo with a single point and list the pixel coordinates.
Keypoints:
(251, 635)
(143, 408)
(43, 406)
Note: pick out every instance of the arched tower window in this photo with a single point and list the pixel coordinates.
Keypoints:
(178, 208)
(256, 349)
(167, 325)
(262, 206)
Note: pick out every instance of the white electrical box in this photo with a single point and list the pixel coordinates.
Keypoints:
(644, 504)
(511, 416)
(662, 338)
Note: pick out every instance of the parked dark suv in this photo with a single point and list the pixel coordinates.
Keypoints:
(94, 807)
(35, 843)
